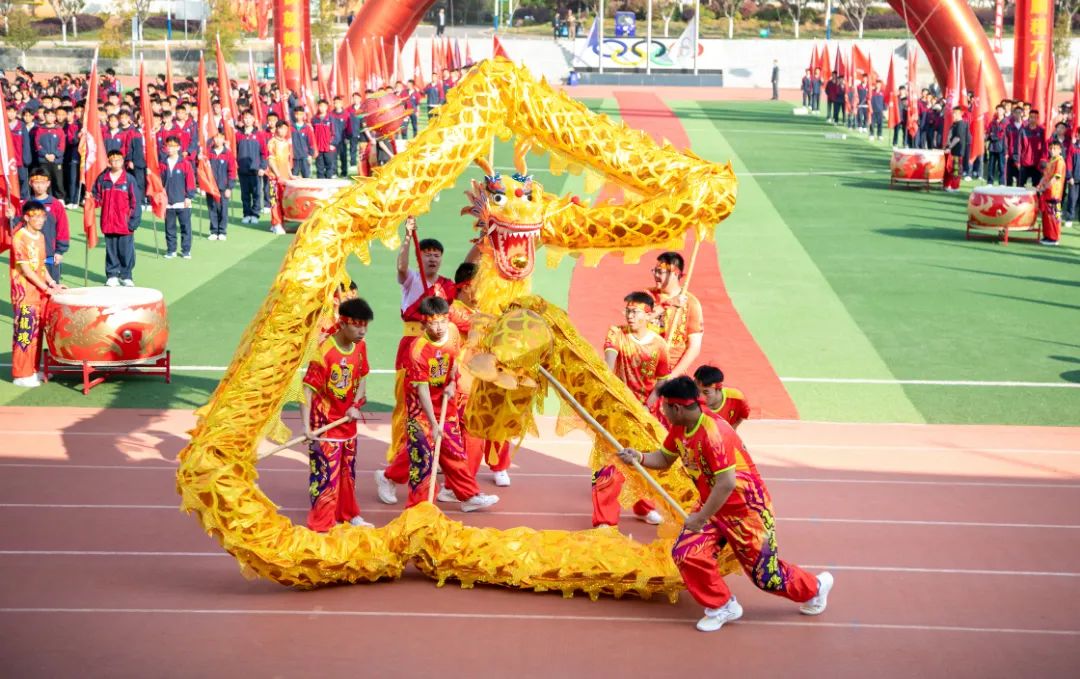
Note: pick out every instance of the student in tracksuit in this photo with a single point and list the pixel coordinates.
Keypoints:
(118, 199)
(250, 164)
(815, 90)
(223, 165)
(1072, 182)
(179, 180)
(862, 94)
(327, 141)
(1014, 136)
(996, 149)
(135, 151)
(305, 147)
(20, 141)
(877, 111)
(49, 142)
(356, 128)
(341, 114)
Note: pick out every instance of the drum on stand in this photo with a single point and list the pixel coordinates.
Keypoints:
(1002, 209)
(917, 167)
(302, 197)
(107, 330)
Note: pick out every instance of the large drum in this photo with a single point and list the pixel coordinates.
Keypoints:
(917, 166)
(107, 326)
(302, 196)
(1002, 209)
(384, 114)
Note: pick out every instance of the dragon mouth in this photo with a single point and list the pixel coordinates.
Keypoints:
(514, 247)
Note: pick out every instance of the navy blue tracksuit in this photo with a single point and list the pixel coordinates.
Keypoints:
(223, 166)
(179, 182)
(250, 158)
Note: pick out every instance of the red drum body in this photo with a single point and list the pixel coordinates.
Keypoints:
(383, 114)
(107, 326)
(917, 166)
(302, 196)
(1002, 207)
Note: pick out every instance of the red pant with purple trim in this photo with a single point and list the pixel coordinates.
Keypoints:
(333, 484)
(607, 483)
(750, 532)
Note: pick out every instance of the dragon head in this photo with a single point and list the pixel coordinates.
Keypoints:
(509, 214)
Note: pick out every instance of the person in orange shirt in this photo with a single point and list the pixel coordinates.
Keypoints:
(279, 166)
(1049, 191)
(430, 377)
(638, 357)
(734, 509)
(31, 287)
(335, 387)
(679, 318)
(726, 402)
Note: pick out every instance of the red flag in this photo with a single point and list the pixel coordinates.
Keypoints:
(1073, 120)
(497, 48)
(262, 11)
(892, 103)
(307, 88)
(962, 85)
(826, 71)
(205, 175)
(92, 150)
(448, 55)
(283, 89)
(840, 67)
(155, 190)
(418, 72)
(1050, 94)
(353, 75)
(399, 72)
(324, 83)
(468, 52)
(257, 105)
(168, 71)
(229, 114)
(979, 111)
(458, 63)
(436, 70)
(9, 179)
(384, 72)
(913, 103)
(342, 70)
(815, 59)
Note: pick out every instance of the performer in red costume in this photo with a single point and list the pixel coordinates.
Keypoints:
(683, 329)
(430, 377)
(727, 402)
(31, 286)
(415, 285)
(734, 509)
(1049, 190)
(638, 357)
(495, 453)
(335, 388)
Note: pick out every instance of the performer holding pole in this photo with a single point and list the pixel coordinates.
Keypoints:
(335, 388)
(680, 318)
(734, 509)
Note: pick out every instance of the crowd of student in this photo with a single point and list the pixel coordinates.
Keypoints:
(1018, 149)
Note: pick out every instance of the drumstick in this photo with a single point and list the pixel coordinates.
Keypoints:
(300, 439)
(438, 447)
(611, 440)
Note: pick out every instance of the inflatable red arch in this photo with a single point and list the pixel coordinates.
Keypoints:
(937, 25)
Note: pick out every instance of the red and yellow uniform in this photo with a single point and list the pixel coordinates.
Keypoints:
(27, 302)
(495, 453)
(640, 364)
(1050, 190)
(734, 408)
(334, 376)
(745, 521)
(279, 162)
(432, 363)
(691, 321)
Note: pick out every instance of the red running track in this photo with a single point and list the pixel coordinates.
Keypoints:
(955, 551)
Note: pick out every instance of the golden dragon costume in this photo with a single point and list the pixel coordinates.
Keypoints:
(217, 475)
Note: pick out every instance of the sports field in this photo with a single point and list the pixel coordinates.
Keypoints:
(865, 304)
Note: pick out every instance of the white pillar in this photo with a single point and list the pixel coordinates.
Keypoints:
(600, 35)
(697, 30)
(648, 37)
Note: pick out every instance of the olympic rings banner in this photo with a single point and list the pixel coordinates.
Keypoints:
(635, 52)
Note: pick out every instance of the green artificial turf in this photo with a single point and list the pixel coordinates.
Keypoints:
(916, 300)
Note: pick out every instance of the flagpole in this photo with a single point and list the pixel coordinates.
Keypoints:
(648, 37)
(600, 36)
(697, 31)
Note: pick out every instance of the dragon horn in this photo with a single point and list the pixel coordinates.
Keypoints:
(520, 149)
(485, 166)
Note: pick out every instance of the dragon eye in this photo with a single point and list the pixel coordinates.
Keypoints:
(126, 335)
(498, 198)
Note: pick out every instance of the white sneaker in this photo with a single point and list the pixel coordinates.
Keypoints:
(112, 282)
(28, 382)
(266, 210)
(716, 617)
(246, 219)
(212, 236)
(653, 518)
(1047, 241)
(170, 255)
(816, 606)
(277, 229)
(479, 501)
(385, 488)
(128, 283)
(1068, 225)
(359, 521)
(502, 479)
(447, 495)
(221, 236)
